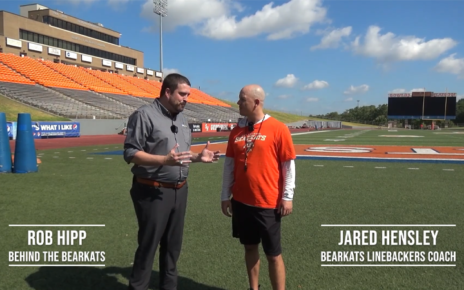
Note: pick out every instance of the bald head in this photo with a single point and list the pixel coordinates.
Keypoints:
(255, 92)
(251, 101)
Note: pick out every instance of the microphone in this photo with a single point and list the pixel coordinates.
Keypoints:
(251, 126)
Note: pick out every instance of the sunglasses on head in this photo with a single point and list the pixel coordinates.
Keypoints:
(174, 129)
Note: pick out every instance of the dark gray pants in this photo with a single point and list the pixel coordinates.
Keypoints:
(160, 215)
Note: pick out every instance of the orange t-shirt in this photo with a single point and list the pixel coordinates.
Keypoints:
(262, 184)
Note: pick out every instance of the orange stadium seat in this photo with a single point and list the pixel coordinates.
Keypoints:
(118, 88)
(119, 83)
(37, 72)
(83, 78)
(141, 83)
(8, 75)
(196, 96)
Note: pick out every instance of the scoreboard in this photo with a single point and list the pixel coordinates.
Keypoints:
(422, 105)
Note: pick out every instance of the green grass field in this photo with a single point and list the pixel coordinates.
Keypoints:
(378, 137)
(74, 186)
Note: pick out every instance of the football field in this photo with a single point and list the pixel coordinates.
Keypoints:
(373, 209)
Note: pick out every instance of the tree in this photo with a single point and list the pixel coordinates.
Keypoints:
(379, 115)
(459, 112)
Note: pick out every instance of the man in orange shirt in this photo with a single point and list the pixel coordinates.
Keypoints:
(259, 175)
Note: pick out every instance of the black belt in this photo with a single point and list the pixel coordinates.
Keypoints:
(161, 184)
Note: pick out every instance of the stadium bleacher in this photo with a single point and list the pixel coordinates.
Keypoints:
(52, 102)
(82, 93)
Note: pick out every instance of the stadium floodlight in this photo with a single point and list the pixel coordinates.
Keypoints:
(161, 9)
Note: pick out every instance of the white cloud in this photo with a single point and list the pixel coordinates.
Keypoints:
(451, 65)
(287, 82)
(115, 4)
(391, 48)
(356, 90)
(402, 91)
(216, 19)
(332, 38)
(348, 99)
(283, 97)
(316, 85)
(397, 91)
(312, 100)
(187, 12)
(77, 1)
(167, 71)
(458, 97)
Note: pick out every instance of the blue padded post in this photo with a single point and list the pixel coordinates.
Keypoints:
(5, 150)
(25, 158)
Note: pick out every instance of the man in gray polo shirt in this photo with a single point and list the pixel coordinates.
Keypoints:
(158, 143)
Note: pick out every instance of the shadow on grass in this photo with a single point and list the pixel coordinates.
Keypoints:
(89, 278)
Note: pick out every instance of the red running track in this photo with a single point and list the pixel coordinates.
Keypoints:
(89, 140)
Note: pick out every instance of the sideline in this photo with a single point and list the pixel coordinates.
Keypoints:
(293, 134)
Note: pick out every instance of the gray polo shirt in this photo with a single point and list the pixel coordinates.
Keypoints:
(149, 130)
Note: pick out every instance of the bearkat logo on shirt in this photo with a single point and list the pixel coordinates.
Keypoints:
(250, 140)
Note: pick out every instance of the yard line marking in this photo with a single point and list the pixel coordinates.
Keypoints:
(380, 225)
(448, 169)
(425, 151)
(108, 158)
(380, 167)
(70, 151)
(106, 148)
(55, 265)
(83, 150)
(414, 168)
(72, 157)
(94, 149)
(348, 166)
(56, 225)
(89, 157)
(57, 152)
(388, 265)
(319, 165)
(310, 132)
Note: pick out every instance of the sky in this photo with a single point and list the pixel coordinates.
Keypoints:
(310, 56)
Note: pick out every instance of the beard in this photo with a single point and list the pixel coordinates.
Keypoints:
(179, 106)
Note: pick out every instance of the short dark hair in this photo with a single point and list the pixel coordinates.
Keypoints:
(172, 81)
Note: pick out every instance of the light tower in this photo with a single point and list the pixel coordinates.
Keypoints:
(161, 9)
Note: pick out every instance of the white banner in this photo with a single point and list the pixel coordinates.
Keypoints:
(54, 51)
(149, 72)
(158, 74)
(106, 62)
(86, 58)
(71, 55)
(140, 70)
(403, 95)
(444, 94)
(35, 47)
(119, 65)
(130, 67)
(14, 42)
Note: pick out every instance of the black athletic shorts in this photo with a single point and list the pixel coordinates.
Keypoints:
(253, 224)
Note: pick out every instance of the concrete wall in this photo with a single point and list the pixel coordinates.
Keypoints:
(100, 127)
